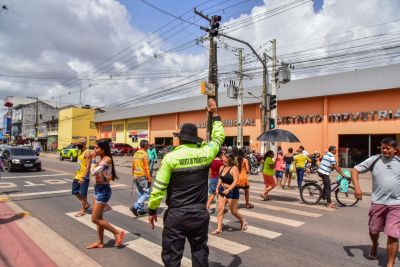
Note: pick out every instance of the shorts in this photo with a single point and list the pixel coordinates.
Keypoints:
(269, 180)
(279, 174)
(80, 189)
(212, 187)
(102, 193)
(233, 194)
(287, 168)
(383, 218)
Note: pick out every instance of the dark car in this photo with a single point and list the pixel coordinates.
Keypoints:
(122, 149)
(161, 153)
(20, 158)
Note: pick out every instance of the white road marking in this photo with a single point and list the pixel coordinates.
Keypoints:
(54, 181)
(53, 192)
(7, 185)
(32, 176)
(140, 245)
(213, 241)
(29, 183)
(287, 210)
(270, 218)
(275, 191)
(318, 207)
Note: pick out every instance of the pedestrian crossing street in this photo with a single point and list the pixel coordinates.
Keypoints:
(151, 249)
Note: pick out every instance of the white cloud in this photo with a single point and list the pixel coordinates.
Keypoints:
(46, 38)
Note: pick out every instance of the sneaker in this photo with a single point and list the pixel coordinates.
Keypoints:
(134, 211)
(142, 213)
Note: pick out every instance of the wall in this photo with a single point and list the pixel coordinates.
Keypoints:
(64, 127)
(318, 136)
(83, 125)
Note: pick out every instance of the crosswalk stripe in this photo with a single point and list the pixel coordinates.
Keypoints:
(304, 205)
(276, 191)
(140, 245)
(270, 218)
(287, 210)
(213, 241)
(55, 191)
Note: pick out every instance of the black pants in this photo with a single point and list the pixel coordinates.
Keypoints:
(182, 223)
(327, 186)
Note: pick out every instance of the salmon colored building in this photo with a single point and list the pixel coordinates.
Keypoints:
(351, 110)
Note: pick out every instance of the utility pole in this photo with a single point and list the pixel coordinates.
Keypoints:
(212, 62)
(37, 119)
(274, 112)
(240, 102)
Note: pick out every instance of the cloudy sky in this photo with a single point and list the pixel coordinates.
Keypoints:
(123, 53)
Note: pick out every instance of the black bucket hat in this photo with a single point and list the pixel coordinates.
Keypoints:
(189, 133)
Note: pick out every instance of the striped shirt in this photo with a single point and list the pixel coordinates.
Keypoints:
(327, 162)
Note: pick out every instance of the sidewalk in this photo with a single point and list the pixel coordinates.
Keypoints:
(17, 248)
(365, 181)
(26, 241)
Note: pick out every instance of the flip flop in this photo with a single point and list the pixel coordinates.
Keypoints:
(263, 197)
(95, 245)
(244, 226)
(119, 239)
(250, 206)
(80, 214)
(215, 232)
(87, 207)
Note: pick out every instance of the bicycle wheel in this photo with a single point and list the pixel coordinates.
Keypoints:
(346, 199)
(311, 193)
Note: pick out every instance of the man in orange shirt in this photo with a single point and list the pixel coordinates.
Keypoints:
(141, 178)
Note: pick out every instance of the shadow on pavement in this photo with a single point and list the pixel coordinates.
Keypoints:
(365, 249)
(237, 261)
(10, 219)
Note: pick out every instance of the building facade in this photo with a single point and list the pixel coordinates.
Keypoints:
(75, 123)
(352, 110)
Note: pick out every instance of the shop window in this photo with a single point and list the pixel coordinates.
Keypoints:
(163, 141)
(106, 128)
(137, 125)
(118, 127)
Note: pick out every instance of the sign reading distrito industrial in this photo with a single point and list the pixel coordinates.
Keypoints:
(342, 117)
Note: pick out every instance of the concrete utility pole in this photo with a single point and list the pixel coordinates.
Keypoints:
(212, 66)
(240, 102)
(274, 87)
(37, 119)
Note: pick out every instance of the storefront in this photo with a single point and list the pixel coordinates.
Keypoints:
(352, 111)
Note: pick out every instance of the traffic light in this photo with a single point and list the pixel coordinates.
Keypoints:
(215, 20)
(272, 102)
(271, 123)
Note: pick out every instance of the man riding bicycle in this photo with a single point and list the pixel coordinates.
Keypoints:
(327, 165)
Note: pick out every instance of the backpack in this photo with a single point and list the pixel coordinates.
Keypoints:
(378, 158)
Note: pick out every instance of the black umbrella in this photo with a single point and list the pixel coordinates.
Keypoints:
(278, 135)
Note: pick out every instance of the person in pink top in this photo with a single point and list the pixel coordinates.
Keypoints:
(214, 175)
(279, 167)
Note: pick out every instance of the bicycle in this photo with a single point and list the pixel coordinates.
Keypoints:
(311, 193)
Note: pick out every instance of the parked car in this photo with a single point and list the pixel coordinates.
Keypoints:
(20, 158)
(120, 149)
(71, 152)
(161, 153)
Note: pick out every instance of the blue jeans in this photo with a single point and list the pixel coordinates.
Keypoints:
(300, 175)
(143, 192)
(151, 167)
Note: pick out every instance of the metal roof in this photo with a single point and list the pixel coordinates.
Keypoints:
(357, 81)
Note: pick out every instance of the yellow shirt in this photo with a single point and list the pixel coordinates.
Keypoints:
(140, 164)
(82, 166)
(300, 161)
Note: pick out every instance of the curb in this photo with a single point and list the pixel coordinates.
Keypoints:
(51, 243)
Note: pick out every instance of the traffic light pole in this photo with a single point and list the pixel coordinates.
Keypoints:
(240, 102)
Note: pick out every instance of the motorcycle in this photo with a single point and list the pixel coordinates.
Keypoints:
(254, 163)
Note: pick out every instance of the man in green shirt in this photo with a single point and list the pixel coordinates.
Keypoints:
(183, 178)
(152, 153)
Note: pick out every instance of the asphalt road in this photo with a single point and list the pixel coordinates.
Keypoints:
(283, 231)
